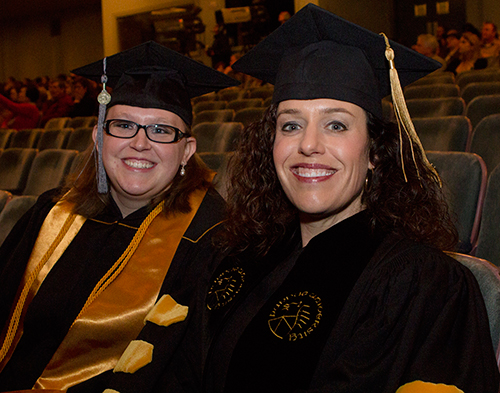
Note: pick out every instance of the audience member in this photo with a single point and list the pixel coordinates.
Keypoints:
(428, 45)
(221, 48)
(470, 57)
(441, 39)
(283, 17)
(25, 113)
(84, 98)
(490, 44)
(42, 89)
(60, 103)
(452, 43)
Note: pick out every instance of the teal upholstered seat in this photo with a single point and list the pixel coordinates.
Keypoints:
(448, 133)
(432, 91)
(246, 116)
(477, 89)
(482, 106)
(80, 138)
(208, 106)
(488, 277)
(436, 107)
(48, 170)
(15, 164)
(488, 243)
(215, 115)
(54, 139)
(486, 140)
(216, 136)
(464, 183)
(12, 212)
(27, 138)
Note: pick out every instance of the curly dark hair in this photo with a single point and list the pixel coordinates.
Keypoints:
(259, 212)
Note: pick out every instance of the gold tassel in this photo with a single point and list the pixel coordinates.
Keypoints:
(403, 117)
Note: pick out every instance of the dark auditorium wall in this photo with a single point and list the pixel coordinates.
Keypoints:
(362, 12)
(50, 43)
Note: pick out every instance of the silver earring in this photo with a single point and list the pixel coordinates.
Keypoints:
(183, 170)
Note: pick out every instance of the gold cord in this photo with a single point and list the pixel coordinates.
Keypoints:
(120, 264)
(108, 278)
(16, 316)
(403, 116)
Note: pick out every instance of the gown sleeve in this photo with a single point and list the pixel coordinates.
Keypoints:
(16, 250)
(418, 315)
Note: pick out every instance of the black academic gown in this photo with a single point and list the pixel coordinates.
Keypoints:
(353, 311)
(96, 247)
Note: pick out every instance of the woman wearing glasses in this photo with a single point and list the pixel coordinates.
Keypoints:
(96, 280)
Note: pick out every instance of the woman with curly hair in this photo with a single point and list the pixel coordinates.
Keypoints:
(334, 277)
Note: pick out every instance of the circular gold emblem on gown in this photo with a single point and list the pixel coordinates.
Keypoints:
(296, 316)
(225, 287)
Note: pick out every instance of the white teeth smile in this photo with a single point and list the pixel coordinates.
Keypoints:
(306, 172)
(139, 164)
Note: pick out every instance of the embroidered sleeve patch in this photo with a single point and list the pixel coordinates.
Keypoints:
(167, 311)
(138, 354)
(427, 387)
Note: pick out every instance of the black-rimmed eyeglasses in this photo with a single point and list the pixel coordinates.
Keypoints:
(159, 133)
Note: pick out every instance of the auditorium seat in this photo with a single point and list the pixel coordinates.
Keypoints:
(218, 162)
(12, 212)
(216, 136)
(82, 121)
(76, 162)
(27, 138)
(56, 123)
(80, 138)
(448, 133)
(435, 78)
(48, 170)
(15, 164)
(215, 115)
(236, 105)
(480, 107)
(205, 97)
(464, 184)
(436, 107)
(488, 277)
(5, 197)
(477, 89)
(488, 243)
(473, 76)
(54, 139)
(208, 105)
(261, 92)
(5, 136)
(247, 116)
(486, 141)
(231, 93)
(432, 91)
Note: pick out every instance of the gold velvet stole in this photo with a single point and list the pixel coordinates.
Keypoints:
(99, 336)
(48, 232)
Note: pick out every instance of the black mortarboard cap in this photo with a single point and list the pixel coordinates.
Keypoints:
(152, 76)
(316, 54)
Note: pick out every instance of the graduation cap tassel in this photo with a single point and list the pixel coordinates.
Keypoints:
(103, 98)
(403, 116)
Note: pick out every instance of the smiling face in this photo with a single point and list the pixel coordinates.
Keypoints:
(139, 169)
(321, 154)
